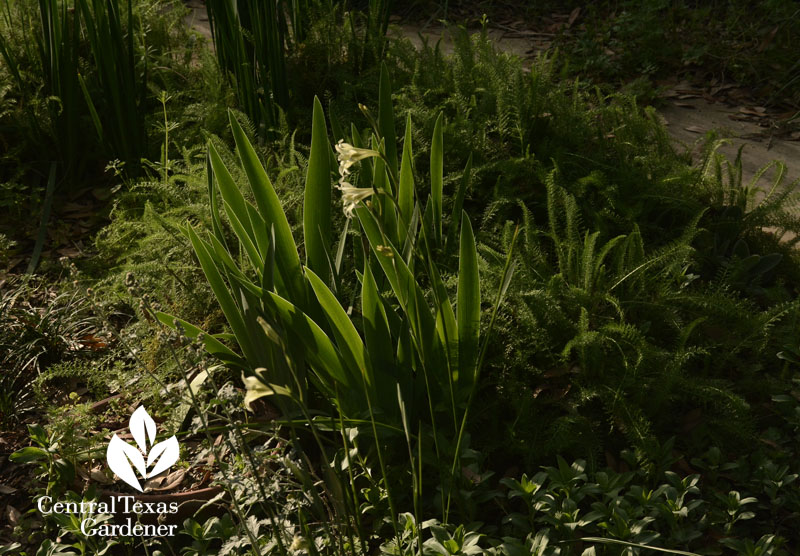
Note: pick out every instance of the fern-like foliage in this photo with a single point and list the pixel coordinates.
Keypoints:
(518, 120)
(751, 229)
(610, 341)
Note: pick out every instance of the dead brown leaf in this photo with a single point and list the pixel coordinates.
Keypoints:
(74, 207)
(716, 90)
(5, 489)
(695, 129)
(70, 252)
(98, 475)
(12, 515)
(757, 111)
(770, 443)
(164, 483)
(95, 343)
(768, 39)
(573, 16)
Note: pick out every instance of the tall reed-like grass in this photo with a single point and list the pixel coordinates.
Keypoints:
(253, 41)
(120, 77)
(250, 39)
(47, 63)
(86, 61)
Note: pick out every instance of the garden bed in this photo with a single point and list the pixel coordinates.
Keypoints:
(324, 290)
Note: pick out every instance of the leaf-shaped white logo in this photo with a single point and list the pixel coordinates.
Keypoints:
(123, 458)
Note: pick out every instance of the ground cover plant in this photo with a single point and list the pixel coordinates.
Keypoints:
(401, 302)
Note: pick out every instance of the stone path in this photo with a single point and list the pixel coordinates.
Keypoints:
(688, 123)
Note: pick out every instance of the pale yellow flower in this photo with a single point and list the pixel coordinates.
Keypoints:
(299, 543)
(352, 195)
(349, 155)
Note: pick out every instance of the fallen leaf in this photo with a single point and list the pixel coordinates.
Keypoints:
(768, 39)
(471, 475)
(770, 443)
(69, 252)
(102, 193)
(684, 105)
(74, 207)
(14, 262)
(573, 16)
(719, 89)
(758, 111)
(166, 482)
(5, 489)
(93, 342)
(12, 515)
(99, 475)
(695, 129)
(558, 371)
